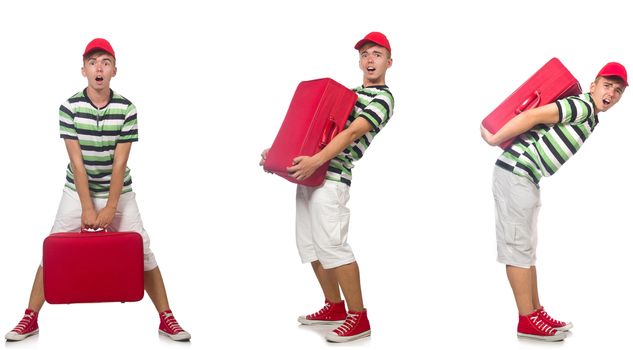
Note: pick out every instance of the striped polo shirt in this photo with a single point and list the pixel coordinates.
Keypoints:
(98, 131)
(544, 149)
(374, 104)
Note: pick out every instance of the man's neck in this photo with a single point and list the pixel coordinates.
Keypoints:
(377, 82)
(368, 84)
(99, 98)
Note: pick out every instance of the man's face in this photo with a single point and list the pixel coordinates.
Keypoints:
(374, 62)
(99, 68)
(606, 92)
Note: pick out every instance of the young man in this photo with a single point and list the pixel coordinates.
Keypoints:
(98, 127)
(322, 216)
(549, 136)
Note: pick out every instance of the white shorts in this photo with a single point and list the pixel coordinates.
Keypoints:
(126, 218)
(322, 224)
(517, 203)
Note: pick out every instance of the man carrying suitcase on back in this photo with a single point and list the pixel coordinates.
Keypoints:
(322, 216)
(548, 137)
(98, 127)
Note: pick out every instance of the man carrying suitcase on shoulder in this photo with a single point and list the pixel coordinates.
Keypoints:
(322, 215)
(548, 137)
(98, 127)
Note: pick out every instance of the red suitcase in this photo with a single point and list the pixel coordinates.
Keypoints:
(550, 83)
(317, 112)
(88, 267)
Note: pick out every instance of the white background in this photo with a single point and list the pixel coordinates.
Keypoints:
(212, 82)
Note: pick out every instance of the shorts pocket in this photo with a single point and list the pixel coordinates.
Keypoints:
(331, 214)
(518, 236)
(337, 227)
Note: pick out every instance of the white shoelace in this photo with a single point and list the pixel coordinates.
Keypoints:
(550, 318)
(26, 320)
(350, 323)
(541, 325)
(325, 309)
(171, 323)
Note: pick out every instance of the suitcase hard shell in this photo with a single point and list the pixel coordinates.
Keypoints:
(89, 267)
(318, 112)
(550, 83)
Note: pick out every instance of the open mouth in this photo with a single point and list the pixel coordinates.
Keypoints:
(371, 69)
(99, 79)
(606, 101)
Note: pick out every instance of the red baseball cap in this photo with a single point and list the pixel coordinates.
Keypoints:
(614, 69)
(376, 38)
(99, 44)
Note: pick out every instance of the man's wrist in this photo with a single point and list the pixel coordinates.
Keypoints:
(111, 206)
(320, 159)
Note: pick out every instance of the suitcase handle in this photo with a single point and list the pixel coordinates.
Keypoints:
(90, 230)
(534, 100)
(328, 132)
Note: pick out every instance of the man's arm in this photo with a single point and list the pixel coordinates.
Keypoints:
(121, 155)
(523, 122)
(305, 166)
(88, 213)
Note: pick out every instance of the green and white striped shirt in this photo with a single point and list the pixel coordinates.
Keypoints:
(98, 131)
(544, 149)
(374, 104)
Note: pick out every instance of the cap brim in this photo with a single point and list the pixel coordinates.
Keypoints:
(365, 41)
(361, 43)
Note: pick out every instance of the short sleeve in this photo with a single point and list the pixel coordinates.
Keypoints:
(67, 122)
(378, 111)
(574, 110)
(129, 131)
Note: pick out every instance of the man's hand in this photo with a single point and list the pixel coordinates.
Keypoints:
(89, 218)
(303, 167)
(264, 155)
(105, 217)
(487, 136)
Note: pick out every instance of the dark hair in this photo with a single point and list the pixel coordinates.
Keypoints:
(610, 77)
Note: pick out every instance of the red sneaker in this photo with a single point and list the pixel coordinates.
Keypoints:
(170, 327)
(25, 328)
(533, 326)
(554, 323)
(356, 326)
(331, 313)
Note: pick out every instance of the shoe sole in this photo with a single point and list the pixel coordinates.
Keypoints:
(17, 337)
(305, 321)
(335, 338)
(176, 337)
(557, 337)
